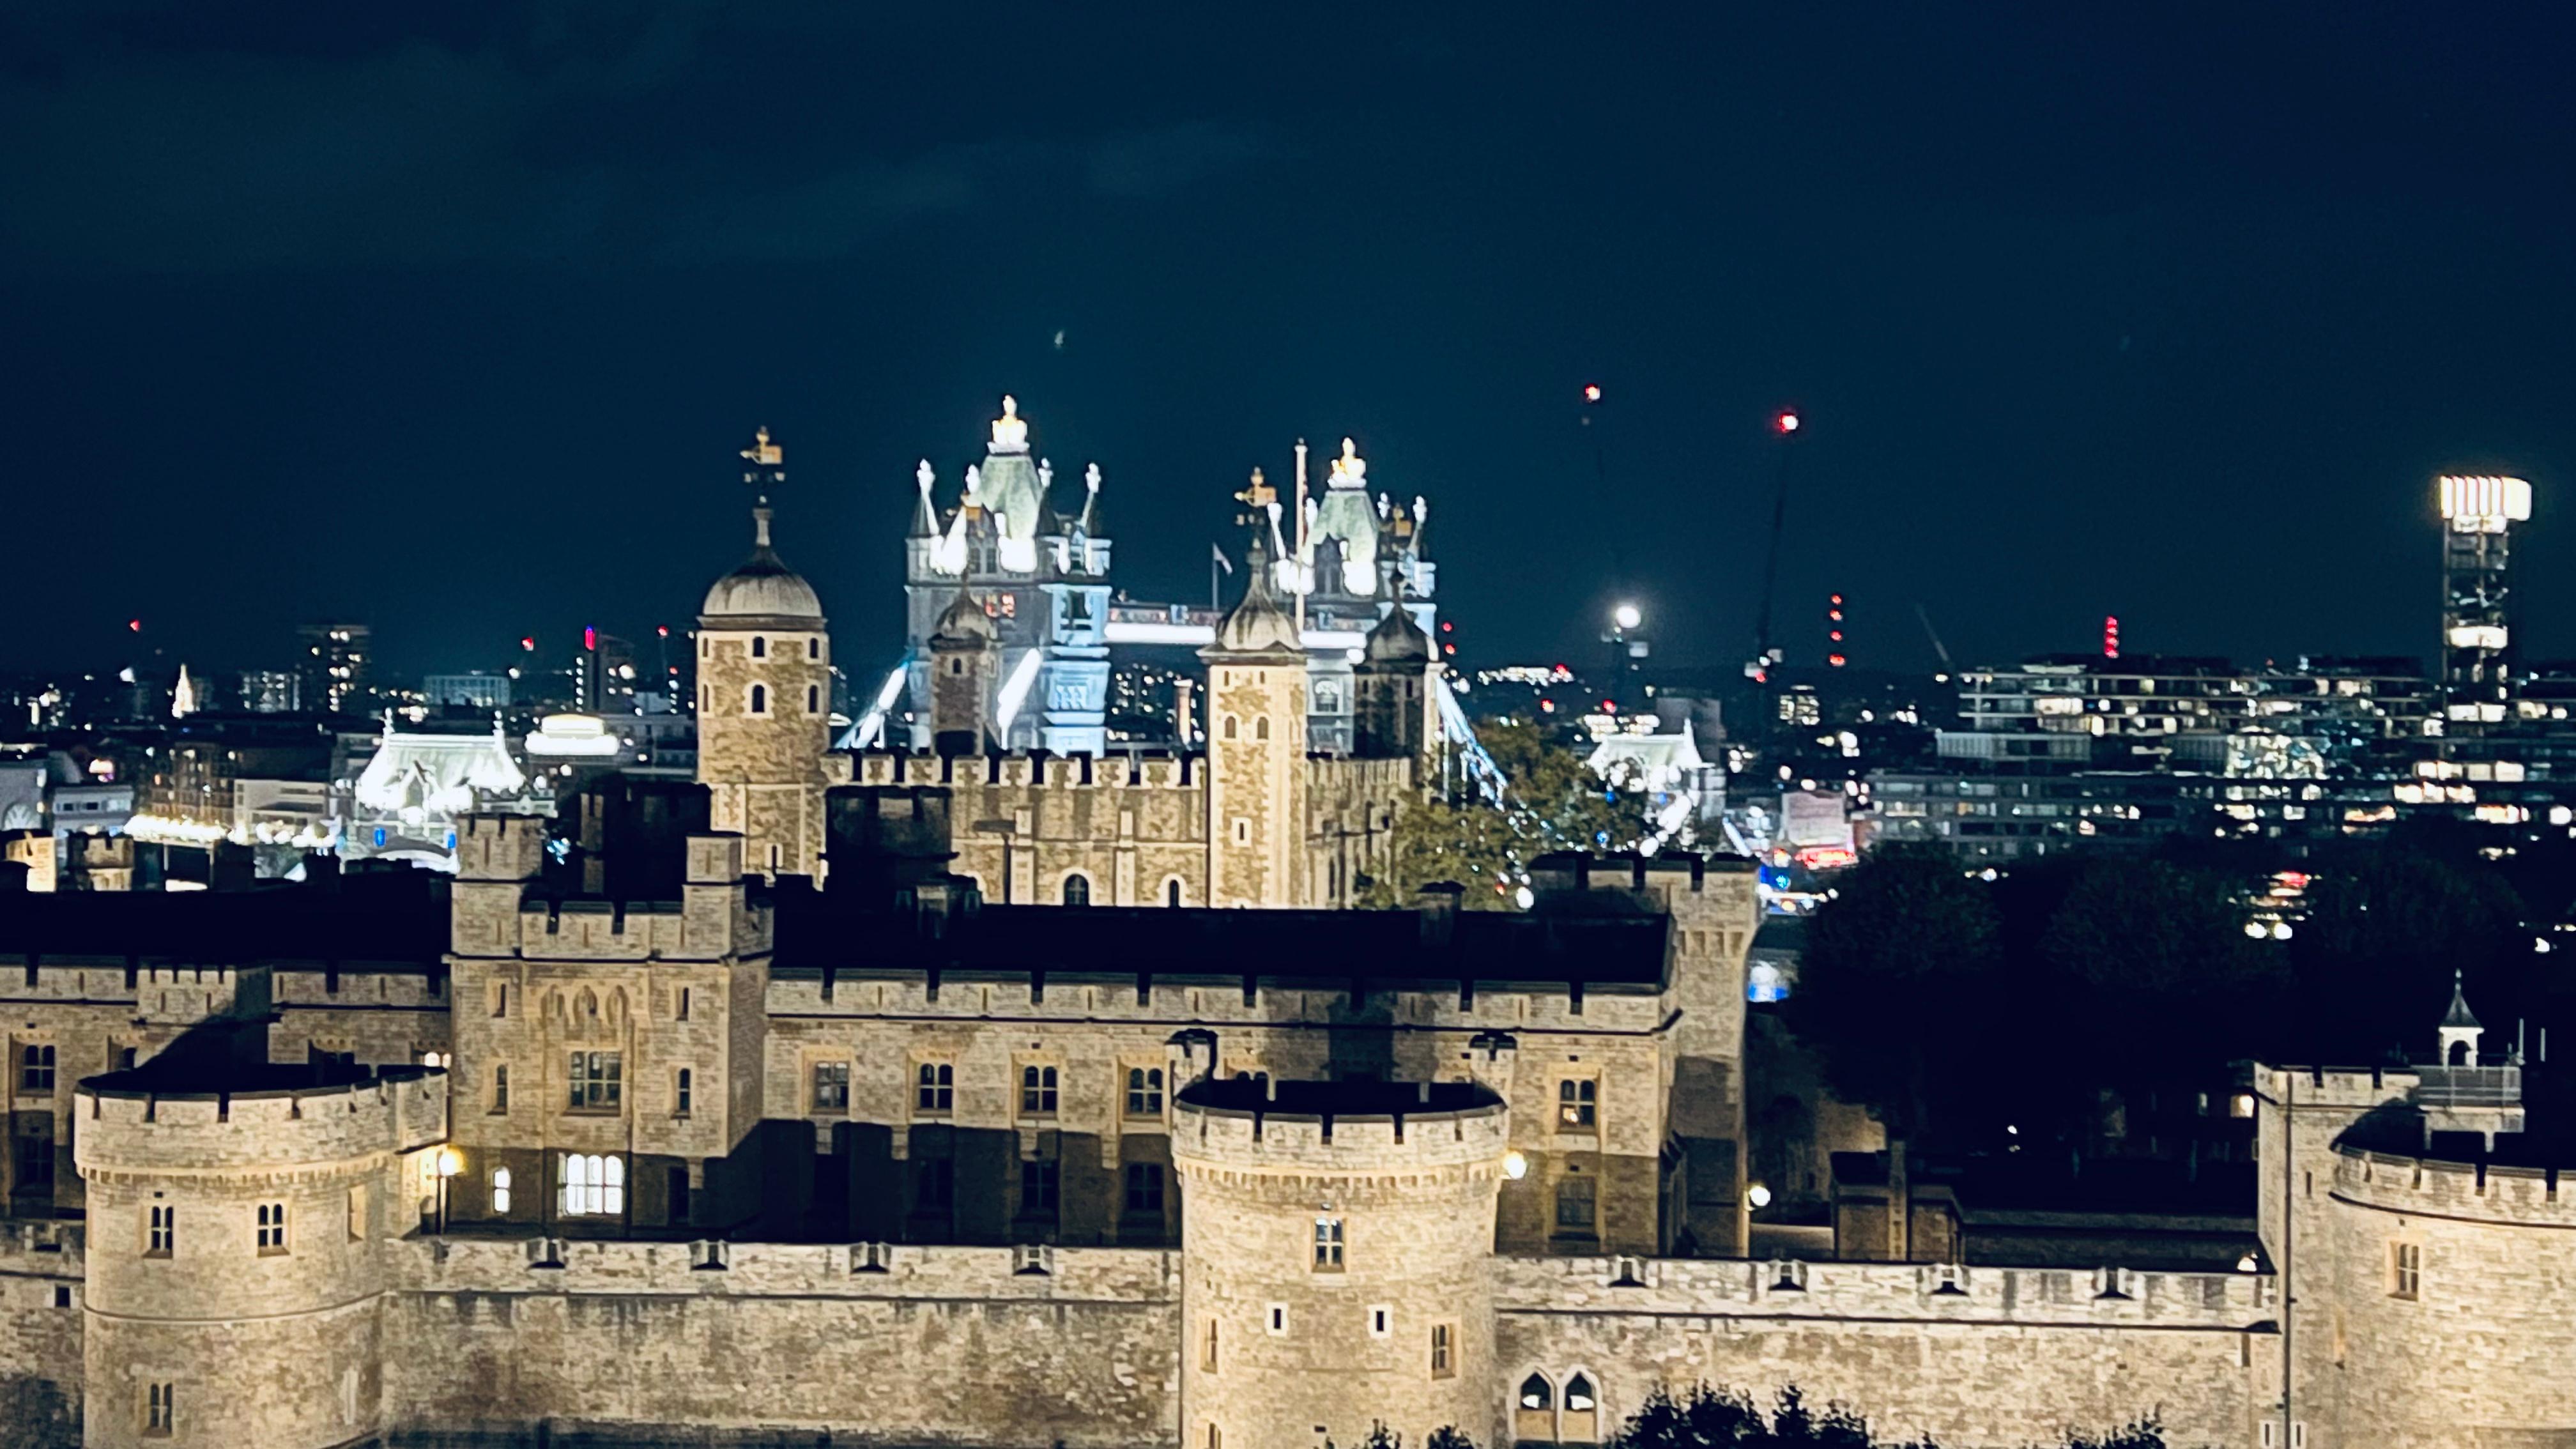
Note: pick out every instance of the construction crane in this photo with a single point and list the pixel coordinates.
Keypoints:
(1934, 635)
(1785, 423)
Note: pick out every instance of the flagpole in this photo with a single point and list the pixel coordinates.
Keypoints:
(1301, 542)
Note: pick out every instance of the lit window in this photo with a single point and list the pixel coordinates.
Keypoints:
(593, 1185)
(831, 1086)
(1328, 1245)
(595, 1081)
(1575, 1099)
(1537, 1393)
(272, 1228)
(1037, 1091)
(500, 1191)
(1144, 1091)
(934, 1087)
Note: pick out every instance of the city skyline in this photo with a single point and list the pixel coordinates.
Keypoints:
(2239, 302)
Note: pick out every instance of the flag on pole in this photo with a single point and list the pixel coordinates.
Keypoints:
(1217, 555)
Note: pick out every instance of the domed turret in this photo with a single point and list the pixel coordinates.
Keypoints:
(763, 590)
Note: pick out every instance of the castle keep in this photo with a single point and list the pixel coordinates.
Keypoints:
(795, 1102)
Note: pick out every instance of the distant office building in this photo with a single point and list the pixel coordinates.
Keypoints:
(271, 691)
(335, 665)
(474, 689)
(604, 674)
(2478, 515)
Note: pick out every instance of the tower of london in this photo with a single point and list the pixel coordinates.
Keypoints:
(992, 1091)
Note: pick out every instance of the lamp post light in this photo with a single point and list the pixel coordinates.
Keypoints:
(450, 1163)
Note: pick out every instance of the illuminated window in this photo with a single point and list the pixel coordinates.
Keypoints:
(2405, 1270)
(500, 1190)
(595, 1079)
(934, 1087)
(1575, 1101)
(1037, 1091)
(1144, 1091)
(1328, 1245)
(272, 1228)
(593, 1185)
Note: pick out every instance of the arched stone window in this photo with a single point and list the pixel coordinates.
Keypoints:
(813, 699)
(814, 647)
(1581, 1422)
(1261, 728)
(1077, 890)
(1534, 1411)
(759, 647)
(1227, 730)
(1172, 891)
(2460, 1054)
(760, 699)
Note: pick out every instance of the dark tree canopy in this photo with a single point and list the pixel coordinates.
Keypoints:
(1707, 1418)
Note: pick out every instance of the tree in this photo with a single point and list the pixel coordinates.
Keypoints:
(2162, 951)
(2388, 921)
(1554, 802)
(1706, 1418)
(1898, 974)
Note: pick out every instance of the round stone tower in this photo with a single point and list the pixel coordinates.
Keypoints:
(240, 1222)
(765, 697)
(1335, 1246)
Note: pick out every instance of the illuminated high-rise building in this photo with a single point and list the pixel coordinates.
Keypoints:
(2478, 514)
(333, 673)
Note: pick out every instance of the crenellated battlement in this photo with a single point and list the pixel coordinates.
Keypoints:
(126, 1132)
(1085, 772)
(2350, 1088)
(1341, 1130)
(2108, 1297)
(2508, 1196)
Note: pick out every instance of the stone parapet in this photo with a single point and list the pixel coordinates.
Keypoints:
(1927, 1293)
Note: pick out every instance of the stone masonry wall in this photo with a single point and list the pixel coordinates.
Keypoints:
(942, 1346)
(2011, 1358)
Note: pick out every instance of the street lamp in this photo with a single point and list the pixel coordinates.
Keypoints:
(1626, 616)
(450, 1163)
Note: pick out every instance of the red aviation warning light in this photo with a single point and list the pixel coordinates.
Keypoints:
(589, 637)
(528, 642)
(1592, 392)
(134, 625)
(662, 629)
(1785, 423)
(2110, 636)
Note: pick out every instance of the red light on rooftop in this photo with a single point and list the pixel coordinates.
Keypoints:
(589, 638)
(1835, 599)
(1592, 392)
(1835, 660)
(1785, 423)
(136, 625)
(662, 629)
(528, 642)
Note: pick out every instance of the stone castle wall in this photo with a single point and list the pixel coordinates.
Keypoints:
(1976, 1358)
(965, 1346)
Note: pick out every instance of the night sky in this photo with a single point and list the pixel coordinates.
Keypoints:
(454, 324)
